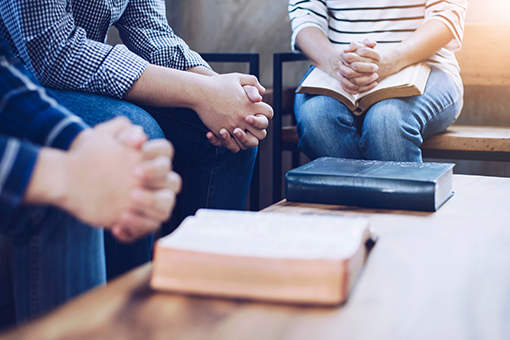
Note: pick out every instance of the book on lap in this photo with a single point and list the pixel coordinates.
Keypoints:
(286, 258)
(410, 81)
(373, 184)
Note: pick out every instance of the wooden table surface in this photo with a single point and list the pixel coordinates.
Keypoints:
(443, 275)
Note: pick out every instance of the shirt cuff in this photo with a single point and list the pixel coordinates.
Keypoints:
(18, 171)
(56, 127)
(117, 73)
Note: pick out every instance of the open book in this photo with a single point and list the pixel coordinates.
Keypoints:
(263, 256)
(411, 81)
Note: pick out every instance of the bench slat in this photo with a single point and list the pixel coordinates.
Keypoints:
(455, 138)
(471, 138)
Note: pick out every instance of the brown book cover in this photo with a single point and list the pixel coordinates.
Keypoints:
(410, 81)
(277, 257)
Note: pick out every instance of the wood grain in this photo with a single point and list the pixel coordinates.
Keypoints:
(440, 275)
(471, 138)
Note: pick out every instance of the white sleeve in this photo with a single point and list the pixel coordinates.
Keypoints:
(452, 13)
(306, 13)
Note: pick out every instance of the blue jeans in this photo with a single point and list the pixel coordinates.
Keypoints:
(212, 177)
(56, 257)
(392, 129)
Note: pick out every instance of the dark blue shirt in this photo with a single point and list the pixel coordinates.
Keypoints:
(29, 120)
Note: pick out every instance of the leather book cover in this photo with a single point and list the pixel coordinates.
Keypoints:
(373, 184)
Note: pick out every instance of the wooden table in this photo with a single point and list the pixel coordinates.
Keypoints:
(443, 275)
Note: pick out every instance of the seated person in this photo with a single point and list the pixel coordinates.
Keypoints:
(157, 82)
(61, 182)
(360, 45)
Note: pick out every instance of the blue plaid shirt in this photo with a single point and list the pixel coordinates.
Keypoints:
(29, 119)
(63, 42)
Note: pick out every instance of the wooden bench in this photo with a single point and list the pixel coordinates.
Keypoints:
(483, 61)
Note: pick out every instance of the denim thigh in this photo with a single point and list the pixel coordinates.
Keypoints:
(55, 259)
(213, 176)
(394, 129)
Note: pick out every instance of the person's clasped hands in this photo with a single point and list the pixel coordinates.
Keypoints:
(117, 179)
(256, 124)
(360, 67)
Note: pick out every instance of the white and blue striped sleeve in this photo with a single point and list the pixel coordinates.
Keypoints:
(307, 13)
(452, 13)
(17, 162)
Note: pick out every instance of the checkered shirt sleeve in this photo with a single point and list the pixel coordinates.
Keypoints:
(144, 29)
(65, 55)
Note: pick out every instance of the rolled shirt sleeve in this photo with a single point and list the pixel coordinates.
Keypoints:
(144, 29)
(63, 42)
(58, 52)
(307, 13)
(451, 13)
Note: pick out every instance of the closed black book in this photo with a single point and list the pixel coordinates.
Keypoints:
(373, 184)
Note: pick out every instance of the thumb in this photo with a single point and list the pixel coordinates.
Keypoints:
(133, 136)
(114, 126)
(353, 46)
(253, 93)
(370, 43)
(247, 79)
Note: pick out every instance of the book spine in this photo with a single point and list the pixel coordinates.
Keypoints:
(361, 191)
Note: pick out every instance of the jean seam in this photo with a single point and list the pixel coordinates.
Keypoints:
(34, 276)
(209, 184)
(444, 109)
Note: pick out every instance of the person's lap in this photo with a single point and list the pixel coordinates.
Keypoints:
(392, 129)
(53, 258)
(213, 177)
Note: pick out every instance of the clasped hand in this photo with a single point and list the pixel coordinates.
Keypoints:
(237, 118)
(360, 67)
(119, 180)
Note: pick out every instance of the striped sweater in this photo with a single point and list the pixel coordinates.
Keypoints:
(386, 21)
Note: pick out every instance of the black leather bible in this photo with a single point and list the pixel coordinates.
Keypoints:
(373, 184)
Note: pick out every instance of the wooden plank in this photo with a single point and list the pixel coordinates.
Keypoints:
(471, 138)
(455, 138)
(439, 275)
(484, 55)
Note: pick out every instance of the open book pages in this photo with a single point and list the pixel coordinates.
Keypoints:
(263, 256)
(411, 81)
(269, 234)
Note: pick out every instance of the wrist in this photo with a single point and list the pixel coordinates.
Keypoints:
(202, 70)
(330, 64)
(48, 184)
(80, 138)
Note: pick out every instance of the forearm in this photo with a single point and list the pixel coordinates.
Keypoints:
(421, 45)
(318, 49)
(165, 87)
(47, 183)
(202, 70)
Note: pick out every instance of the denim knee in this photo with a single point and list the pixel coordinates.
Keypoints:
(390, 132)
(325, 127)
(95, 109)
